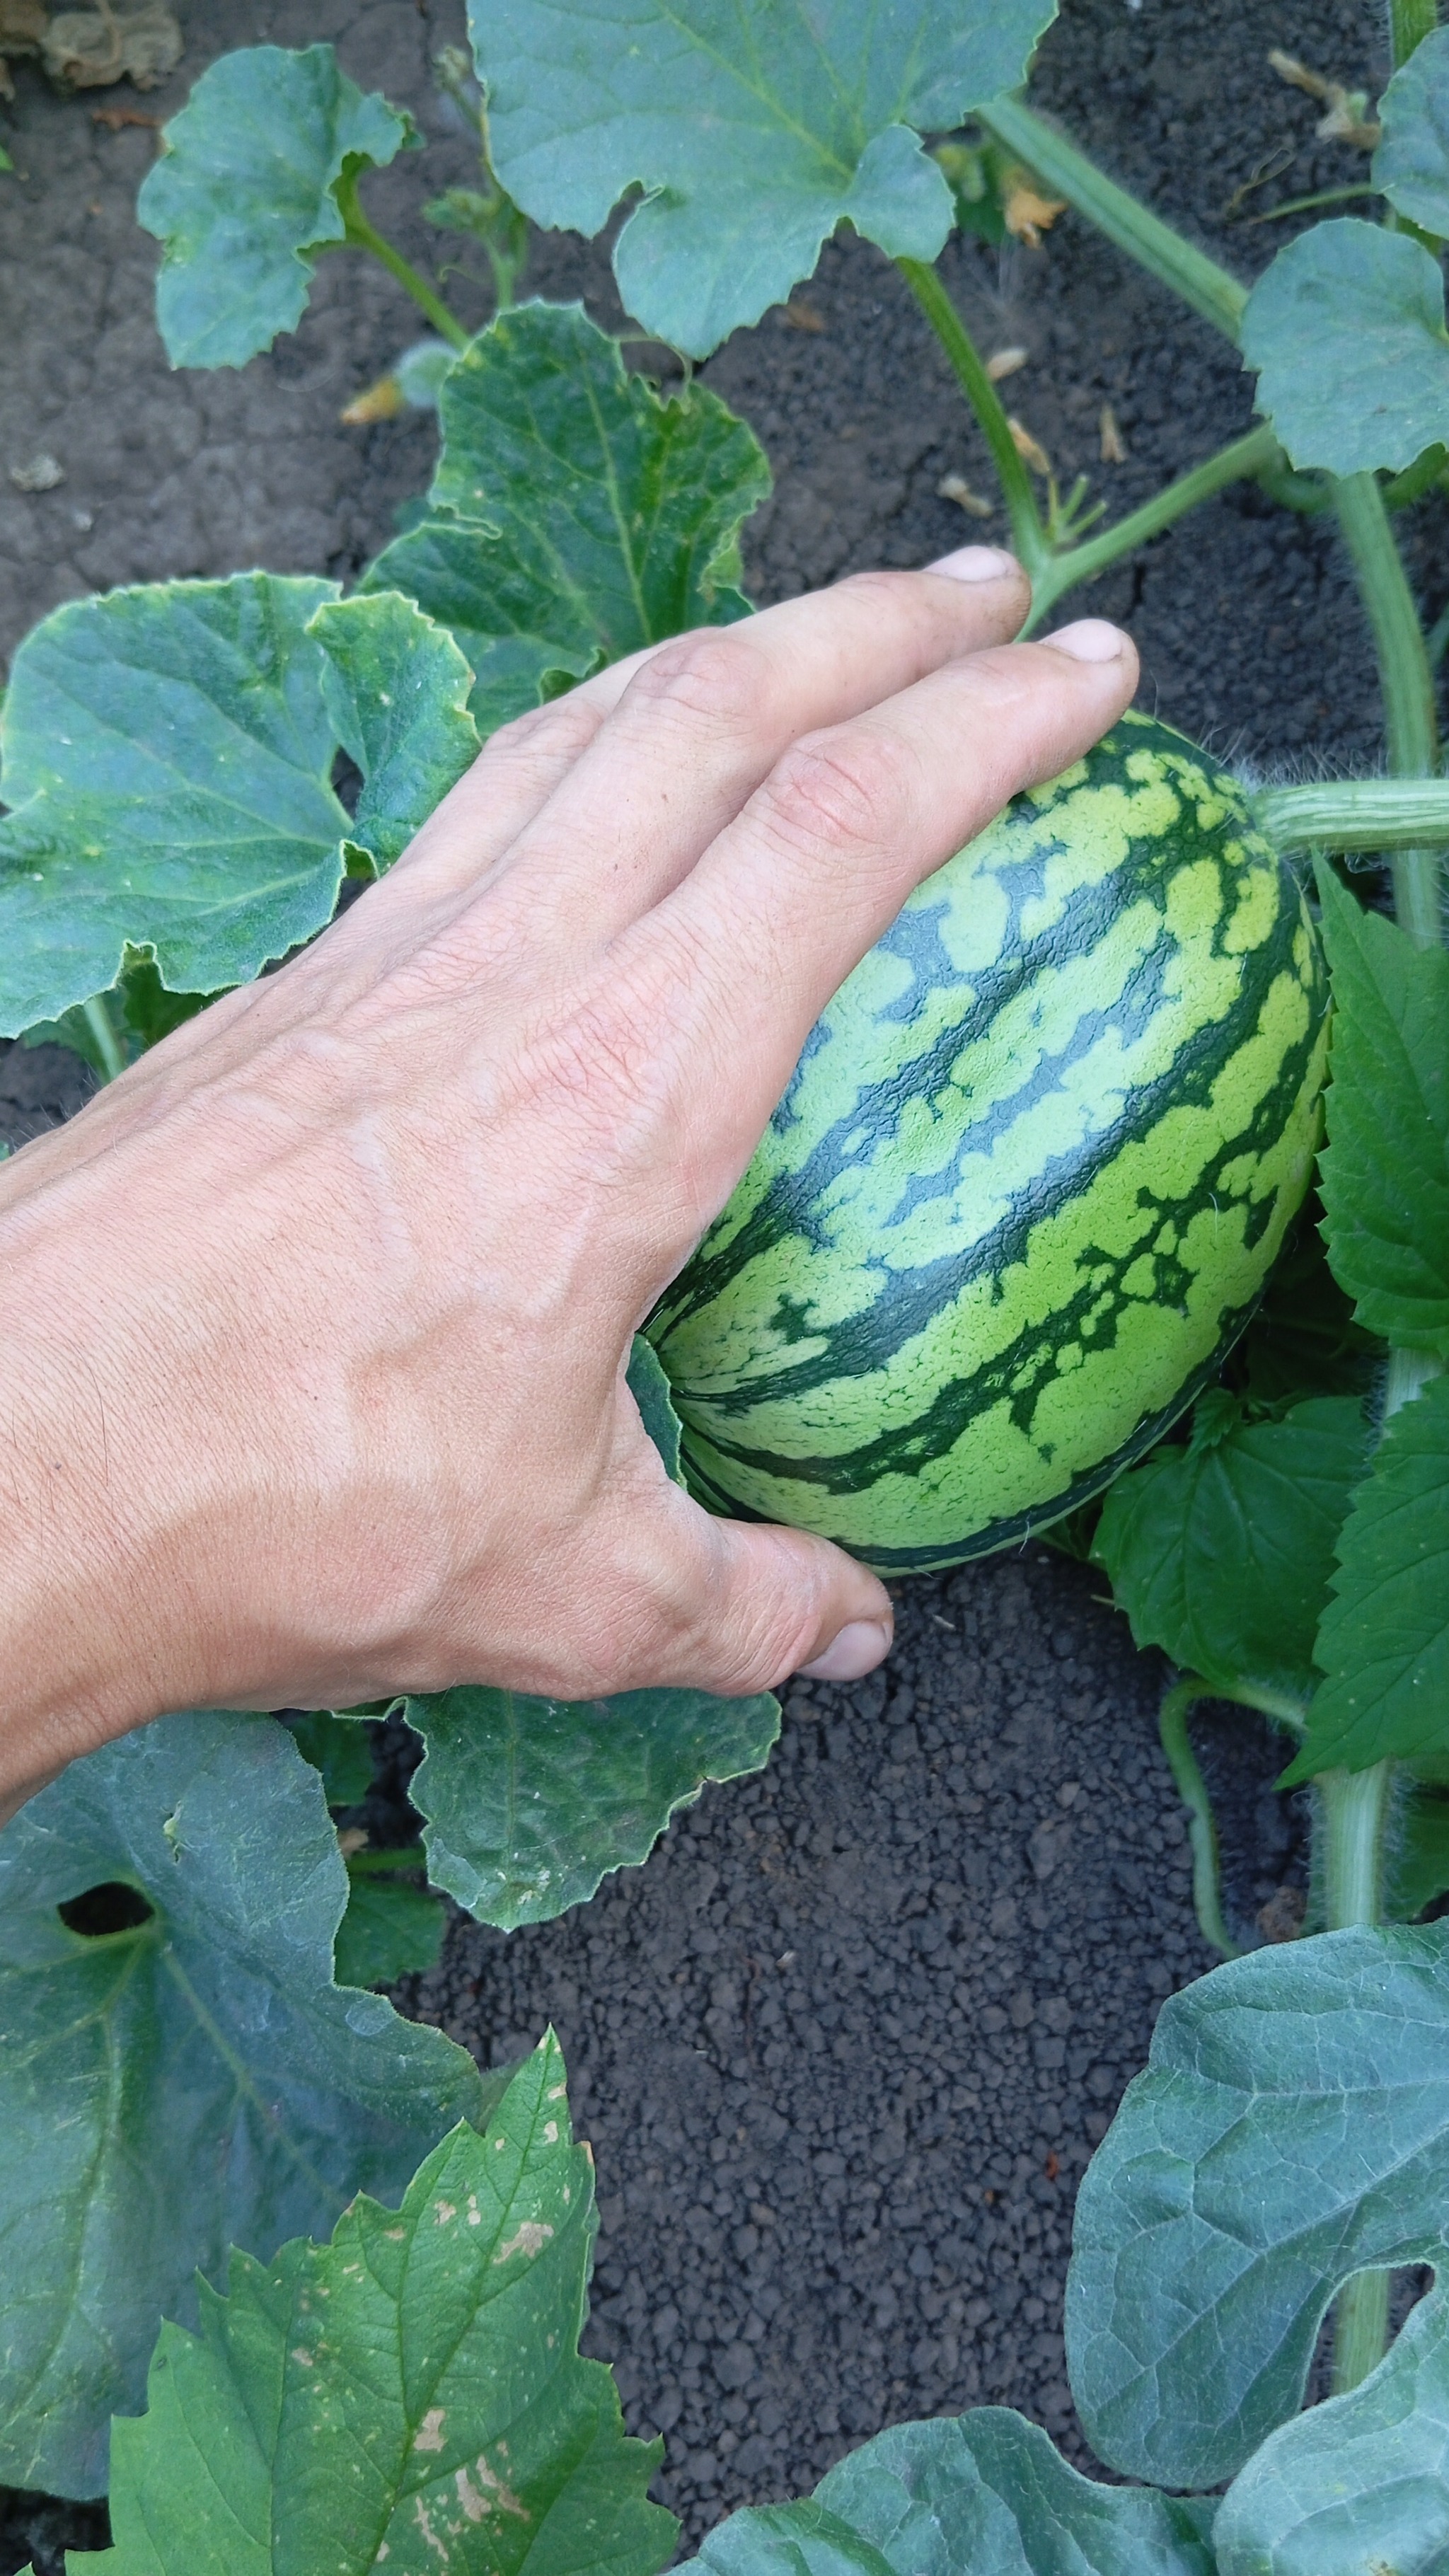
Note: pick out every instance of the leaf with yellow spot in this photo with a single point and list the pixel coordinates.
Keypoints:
(444, 2424)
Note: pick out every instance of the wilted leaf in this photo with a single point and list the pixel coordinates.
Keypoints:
(1384, 1640)
(187, 2081)
(1222, 1553)
(87, 48)
(246, 196)
(1411, 164)
(411, 2392)
(574, 516)
(753, 133)
(1346, 332)
(985, 2491)
(1291, 2129)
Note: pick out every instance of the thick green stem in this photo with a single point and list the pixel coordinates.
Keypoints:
(1202, 1831)
(108, 1046)
(1354, 1807)
(1410, 720)
(1355, 814)
(1410, 21)
(363, 235)
(1245, 457)
(1154, 245)
(1027, 533)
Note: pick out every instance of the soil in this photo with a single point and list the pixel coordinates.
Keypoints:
(844, 2046)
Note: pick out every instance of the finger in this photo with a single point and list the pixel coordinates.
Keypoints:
(740, 961)
(743, 1605)
(703, 719)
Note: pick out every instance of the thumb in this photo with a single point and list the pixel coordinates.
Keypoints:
(755, 1602)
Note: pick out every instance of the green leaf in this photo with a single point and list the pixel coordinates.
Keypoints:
(574, 516)
(411, 2392)
(754, 131)
(167, 752)
(1291, 2128)
(531, 1802)
(340, 1749)
(190, 2080)
(1385, 1171)
(1384, 1641)
(396, 690)
(984, 2491)
(1303, 1339)
(649, 1387)
(1222, 1554)
(1346, 332)
(1356, 2487)
(1411, 164)
(245, 196)
(391, 1928)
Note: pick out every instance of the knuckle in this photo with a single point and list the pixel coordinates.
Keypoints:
(558, 731)
(716, 675)
(842, 791)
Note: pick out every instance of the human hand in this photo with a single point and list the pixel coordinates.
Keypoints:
(317, 1318)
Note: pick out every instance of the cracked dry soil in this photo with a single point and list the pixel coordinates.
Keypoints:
(845, 2044)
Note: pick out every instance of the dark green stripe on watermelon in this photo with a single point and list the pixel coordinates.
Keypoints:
(1028, 1178)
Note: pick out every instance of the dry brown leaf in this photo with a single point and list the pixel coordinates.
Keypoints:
(1026, 213)
(1006, 362)
(84, 48)
(113, 118)
(1347, 120)
(380, 401)
(22, 26)
(1113, 444)
(954, 487)
(801, 315)
(1029, 449)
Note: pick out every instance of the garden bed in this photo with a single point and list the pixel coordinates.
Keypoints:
(844, 2046)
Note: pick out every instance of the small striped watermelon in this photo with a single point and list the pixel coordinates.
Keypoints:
(1027, 1181)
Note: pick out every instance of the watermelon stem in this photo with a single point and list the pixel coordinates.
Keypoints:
(1028, 536)
(1202, 1829)
(1234, 463)
(1410, 718)
(1348, 814)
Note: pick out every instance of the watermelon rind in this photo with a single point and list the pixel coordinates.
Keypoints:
(1027, 1180)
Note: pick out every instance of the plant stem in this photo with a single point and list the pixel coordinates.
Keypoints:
(1245, 456)
(108, 1046)
(1202, 1831)
(1360, 2329)
(363, 235)
(1027, 533)
(1354, 1806)
(1209, 289)
(1355, 814)
(1410, 721)
(1410, 21)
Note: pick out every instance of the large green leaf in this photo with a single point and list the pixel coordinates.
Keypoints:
(168, 754)
(192, 2080)
(1291, 2128)
(1411, 164)
(1346, 332)
(245, 196)
(1222, 1554)
(1384, 1641)
(574, 516)
(411, 2393)
(1356, 2487)
(755, 126)
(396, 688)
(985, 2491)
(530, 1802)
(1385, 1171)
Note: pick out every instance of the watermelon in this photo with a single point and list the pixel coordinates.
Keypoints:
(1027, 1181)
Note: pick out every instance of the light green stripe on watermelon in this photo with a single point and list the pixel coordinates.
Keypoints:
(1030, 1174)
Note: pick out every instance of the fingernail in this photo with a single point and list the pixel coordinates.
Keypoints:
(1090, 640)
(855, 1649)
(976, 563)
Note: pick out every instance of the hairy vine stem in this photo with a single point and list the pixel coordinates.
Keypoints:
(364, 235)
(1191, 1787)
(1028, 536)
(1349, 814)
